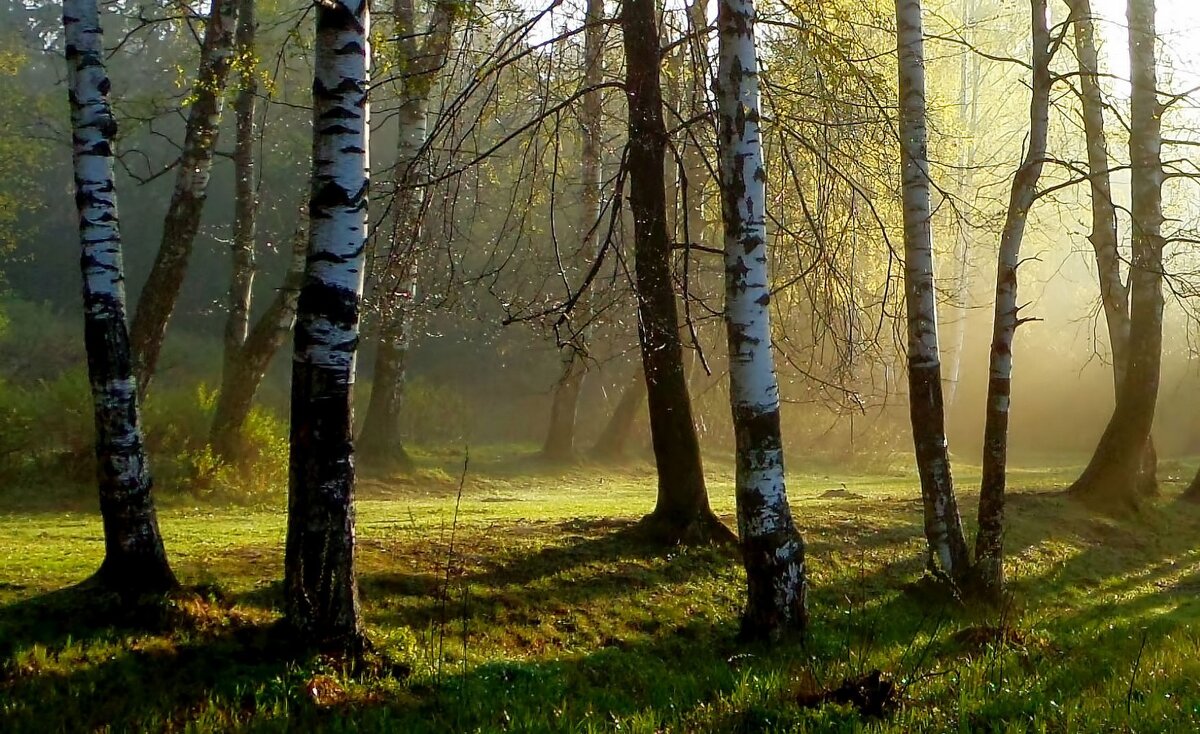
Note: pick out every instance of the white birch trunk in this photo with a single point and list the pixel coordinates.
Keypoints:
(321, 593)
(773, 551)
(943, 527)
(134, 557)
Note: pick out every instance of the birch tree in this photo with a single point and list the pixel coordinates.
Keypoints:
(182, 221)
(134, 557)
(321, 593)
(380, 442)
(682, 511)
(943, 526)
(560, 435)
(245, 191)
(1111, 477)
(989, 551)
(772, 549)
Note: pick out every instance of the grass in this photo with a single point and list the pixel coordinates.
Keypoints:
(546, 616)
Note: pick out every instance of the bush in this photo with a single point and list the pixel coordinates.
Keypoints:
(177, 425)
(434, 414)
(47, 437)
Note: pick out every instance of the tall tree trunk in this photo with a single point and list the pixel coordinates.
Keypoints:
(682, 512)
(772, 549)
(245, 192)
(380, 443)
(611, 444)
(943, 526)
(162, 288)
(321, 592)
(134, 558)
(241, 381)
(560, 434)
(989, 542)
(1114, 294)
(1112, 475)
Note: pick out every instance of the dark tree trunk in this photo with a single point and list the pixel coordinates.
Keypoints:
(1116, 474)
(162, 288)
(989, 542)
(1192, 493)
(320, 589)
(611, 444)
(134, 558)
(682, 512)
(245, 196)
(242, 379)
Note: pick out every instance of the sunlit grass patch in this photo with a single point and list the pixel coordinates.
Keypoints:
(538, 610)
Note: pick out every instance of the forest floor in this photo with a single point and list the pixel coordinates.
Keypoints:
(535, 610)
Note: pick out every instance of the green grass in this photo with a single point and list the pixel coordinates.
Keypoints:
(547, 616)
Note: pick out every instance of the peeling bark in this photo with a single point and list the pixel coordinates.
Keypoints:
(161, 292)
(943, 526)
(682, 512)
(320, 589)
(989, 542)
(772, 549)
(1116, 475)
(134, 558)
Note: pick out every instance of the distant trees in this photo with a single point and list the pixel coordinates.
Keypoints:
(249, 349)
(559, 444)
(772, 549)
(421, 56)
(1118, 466)
(134, 558)
(320, 589)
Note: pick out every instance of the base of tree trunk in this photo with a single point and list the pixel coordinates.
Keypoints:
(777, 594)
(131, 577)
(1108, 494)
(703, 528)
(393, 460)
(559, 455)
(354, 649)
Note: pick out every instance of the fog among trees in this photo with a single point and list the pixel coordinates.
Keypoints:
(581, 365)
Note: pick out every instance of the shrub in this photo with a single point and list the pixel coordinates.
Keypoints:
(47, 438)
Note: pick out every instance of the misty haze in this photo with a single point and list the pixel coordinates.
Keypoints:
(586, 365)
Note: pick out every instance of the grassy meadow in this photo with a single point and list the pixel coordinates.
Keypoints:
(526, 603)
